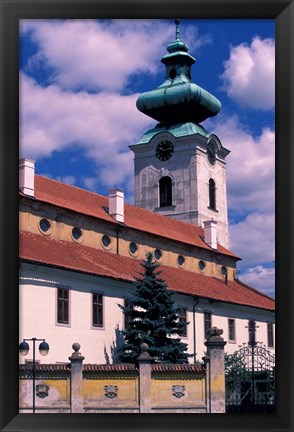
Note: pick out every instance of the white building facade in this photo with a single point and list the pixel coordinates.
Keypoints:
(39, 289)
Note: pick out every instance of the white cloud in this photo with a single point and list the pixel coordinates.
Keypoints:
(102, 55)
(97, 55)
(251, 189)
(103, 125)
(250, 165)
(90, 183)
(193, 39)
(253, 238)
(68, 179)
(261, 278)
(249, 75)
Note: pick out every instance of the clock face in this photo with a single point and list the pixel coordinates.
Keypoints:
(164, 150)
(211, 153)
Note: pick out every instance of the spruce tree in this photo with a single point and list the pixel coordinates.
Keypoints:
(152, 318)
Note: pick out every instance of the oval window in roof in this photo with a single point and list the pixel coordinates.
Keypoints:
(106, 241)
(76, 233)
(224, 270)
(45, 226)
(201, 265)
(133, 248)
(158, 254)
(181, 260)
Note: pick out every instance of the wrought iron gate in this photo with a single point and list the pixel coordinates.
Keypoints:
(250, 380)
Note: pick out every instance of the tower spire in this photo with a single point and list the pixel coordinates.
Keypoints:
(177, 22)
(178, 100)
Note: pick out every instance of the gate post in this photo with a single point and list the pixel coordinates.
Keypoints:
(215, 351)
(145, 379)
(76, 380)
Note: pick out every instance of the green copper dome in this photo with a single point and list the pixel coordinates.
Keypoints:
(178, 99)
(177, 130)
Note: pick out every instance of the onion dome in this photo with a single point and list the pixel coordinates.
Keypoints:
(178, 99)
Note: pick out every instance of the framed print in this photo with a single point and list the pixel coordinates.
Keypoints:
(138, 268)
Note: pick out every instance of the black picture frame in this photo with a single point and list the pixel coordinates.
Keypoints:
(11, 12)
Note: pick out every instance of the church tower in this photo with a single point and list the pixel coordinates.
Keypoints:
(180, 168)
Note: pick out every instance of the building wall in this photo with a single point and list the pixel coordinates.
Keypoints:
(94, 392)
(58, 399)
(62, 223)
(190, 172)
(38, 315)
(126, 392)
(217, 172)
(162, 397)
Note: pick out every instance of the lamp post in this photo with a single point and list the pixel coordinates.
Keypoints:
(43, 350)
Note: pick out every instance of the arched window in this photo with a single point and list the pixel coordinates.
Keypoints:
(212, 201)
(165, 192)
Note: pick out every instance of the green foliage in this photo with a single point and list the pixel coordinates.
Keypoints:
(237, 367)
(152, 318)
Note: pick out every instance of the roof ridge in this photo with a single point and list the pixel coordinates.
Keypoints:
(69, 185)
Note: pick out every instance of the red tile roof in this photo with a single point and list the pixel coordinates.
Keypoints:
(186, 368)
(122, 367)
(73, 256)
(92, 204)
(53, 367)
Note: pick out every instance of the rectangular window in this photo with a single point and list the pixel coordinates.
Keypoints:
(183, 319)
(207, 323)
(62, 306)
(97, 305)
(232, 336)
(270, 335)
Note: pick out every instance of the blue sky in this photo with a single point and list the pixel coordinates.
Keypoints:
(79, 81)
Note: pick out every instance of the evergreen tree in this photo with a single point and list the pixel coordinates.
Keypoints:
(151, 317)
